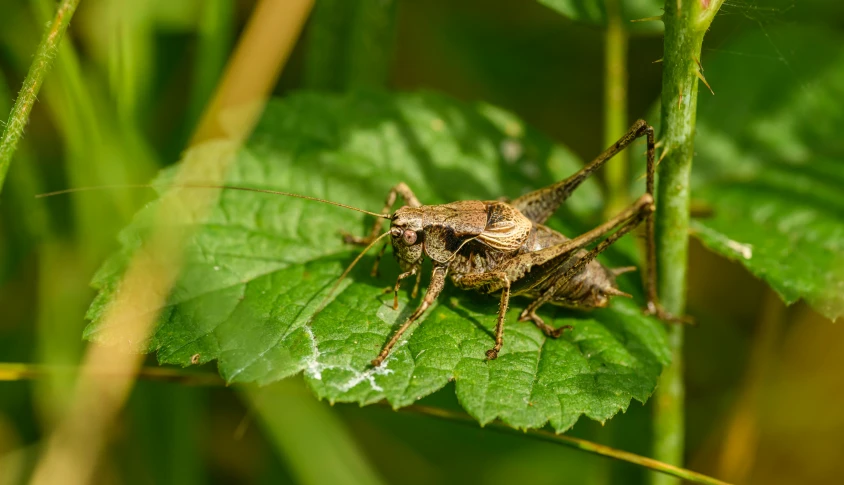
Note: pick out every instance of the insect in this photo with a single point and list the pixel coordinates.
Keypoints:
(504, 247)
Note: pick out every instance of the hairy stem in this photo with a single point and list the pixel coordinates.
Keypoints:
(686, 23)
(615, 107)
(41, 64)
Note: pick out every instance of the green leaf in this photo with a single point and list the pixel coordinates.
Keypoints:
(595, 12)
(259, 266)
(770, 161)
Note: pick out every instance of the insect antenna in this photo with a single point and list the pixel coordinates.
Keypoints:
(246, 189)
(209, 186)
(349, 269)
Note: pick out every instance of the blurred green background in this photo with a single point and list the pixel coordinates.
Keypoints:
(764, 383)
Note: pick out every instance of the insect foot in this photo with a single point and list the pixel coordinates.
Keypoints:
(559, 331)
(656, 310)
(548, 330)
(491, 354)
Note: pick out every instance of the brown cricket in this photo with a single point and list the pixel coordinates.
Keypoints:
(503, 246)
(495, 246)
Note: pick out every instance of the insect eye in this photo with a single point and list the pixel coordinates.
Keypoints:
(409, 237)
(395, 232)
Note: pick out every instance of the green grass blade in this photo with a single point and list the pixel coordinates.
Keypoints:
(44, 56)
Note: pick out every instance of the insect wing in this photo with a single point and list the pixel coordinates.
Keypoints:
(506, 228)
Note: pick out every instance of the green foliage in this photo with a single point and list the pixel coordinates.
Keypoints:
(124, 95)
(595, 12)
(310, 435)
(350, 45)
(259, 267)
(769, 161)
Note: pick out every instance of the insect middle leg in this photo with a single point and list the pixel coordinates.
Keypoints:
(495, 279)
(413, 271)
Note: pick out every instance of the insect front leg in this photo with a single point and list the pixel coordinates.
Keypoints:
(415, 290)
(495, 279)
(401, 189)
(434, 289)
(623, 223)
(413, 271)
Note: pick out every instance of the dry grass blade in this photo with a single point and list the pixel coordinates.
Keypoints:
(73, 449)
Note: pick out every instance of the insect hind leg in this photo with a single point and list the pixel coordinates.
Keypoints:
(621, 224)
(540, 204)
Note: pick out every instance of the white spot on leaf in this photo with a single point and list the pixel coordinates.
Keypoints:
(742, 249)
(745, 250)
(313, 368)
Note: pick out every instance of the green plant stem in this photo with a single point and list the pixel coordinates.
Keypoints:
(577, 443)
(214, 43)
(372, 42)
(350, 44)
(130, 65)
(327, 32)
(41, 64)
(19, 371)
(685, 26)
(615, 107)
